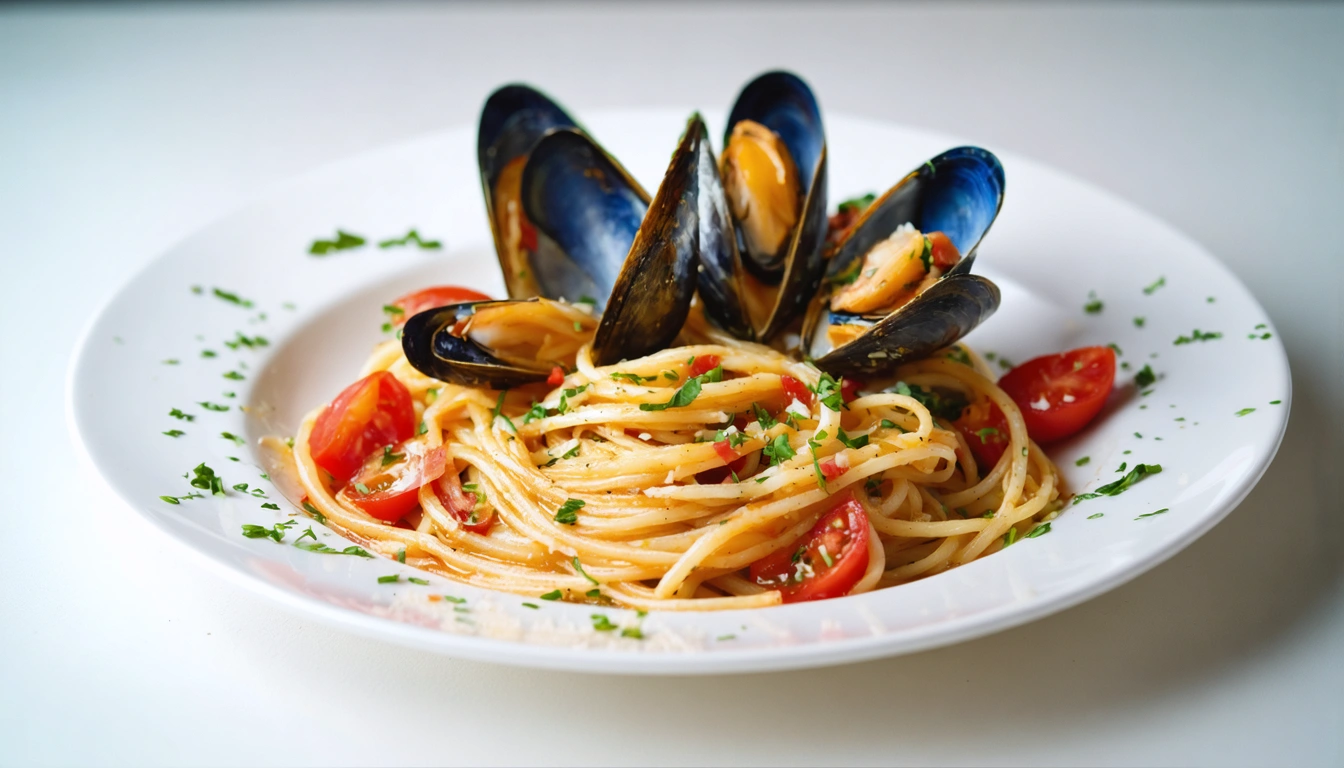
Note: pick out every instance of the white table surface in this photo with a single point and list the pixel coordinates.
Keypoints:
(124, 129)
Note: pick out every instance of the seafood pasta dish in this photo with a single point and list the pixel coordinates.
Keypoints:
(721, 395)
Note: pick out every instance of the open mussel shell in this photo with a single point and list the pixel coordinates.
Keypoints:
(513, 120)
(432, 348)
(939, 316)
(789, 276)
(587, 210)
(639, 264)
(958, 193)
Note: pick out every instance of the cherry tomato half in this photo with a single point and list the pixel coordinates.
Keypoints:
(1059, 394)
(796, 390)
(430, 298)
(392, 478)
(462, 504)
(369, 414)
(986, 431)
(849, 389)
(945, 254)
(826, 562)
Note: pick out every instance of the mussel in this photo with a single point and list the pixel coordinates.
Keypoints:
(896, 289)
(770, 198)
(609, 253)
(513, 120)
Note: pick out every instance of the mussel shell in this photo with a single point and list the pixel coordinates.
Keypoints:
(433, 350)
(513, 120)
(588, 208)
(652, 296)
(958, 193)
(782, 102)
(936, 318)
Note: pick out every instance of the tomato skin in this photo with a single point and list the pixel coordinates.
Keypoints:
(1072, 386)
(367, 415)
(986, 446)
(796, 390)
(725, 451)
(830, 470)
(396, 487)
(460, 503)
(844, 533)
(557, 376)
(944, 254)
(704, 364)
(433, 298)
(849, 389)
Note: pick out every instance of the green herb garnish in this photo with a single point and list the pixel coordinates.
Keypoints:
(567, 514)
(1145, 377)
(1136, 474)
(411, 237)
(344, 241)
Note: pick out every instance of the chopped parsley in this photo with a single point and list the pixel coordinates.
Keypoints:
(579, 567)
(401, 555)
(232, 298)
(411, 237)
(1094, 305)
(1136, 474)
(1139, 321)
(958, 354)
(601, 623)
(271, 505)
(1082, 462)
(533, 606)
(499, 412)
(762, 416)
(323, 549)
(212, 407)
(234, 375)
(393, 579)
(552, 595)
(389, 457)
(1153, 514)
(206, 479)
(1094, 517)
(176, 414)
(633, 378)
(828, 391)
(1145, 377)
(232, 437)
(779, 450)
(536, 412)
(251, 342)
(1197, 335)
(722, 638)
(851, 442)
(174, 433)
(812, 445)
(1150, 290)
(1039, 530)
(1245, 411)
(985, 432)
(857, 204)
(314, 511)
(344, 241)
(686, 393)
(1275, 402)
(567, 514)
(416, 580)
(276, 532)
(947, 407)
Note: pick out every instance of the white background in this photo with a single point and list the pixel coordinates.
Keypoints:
(124, 129)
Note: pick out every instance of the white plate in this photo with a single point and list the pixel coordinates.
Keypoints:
(1056, 240)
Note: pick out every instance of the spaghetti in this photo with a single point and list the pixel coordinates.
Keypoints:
(653, 486)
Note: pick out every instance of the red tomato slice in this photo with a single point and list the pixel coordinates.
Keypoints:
(796, 390)
(1059, 394)
(986, 431)
(557, 376)
(826, 562)
(369, 414)
(830, 470)
(432, 298)
(849, 389)
(725, 451)
(945, 254)
(462, 504)
(394, 483)
(704, 364)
